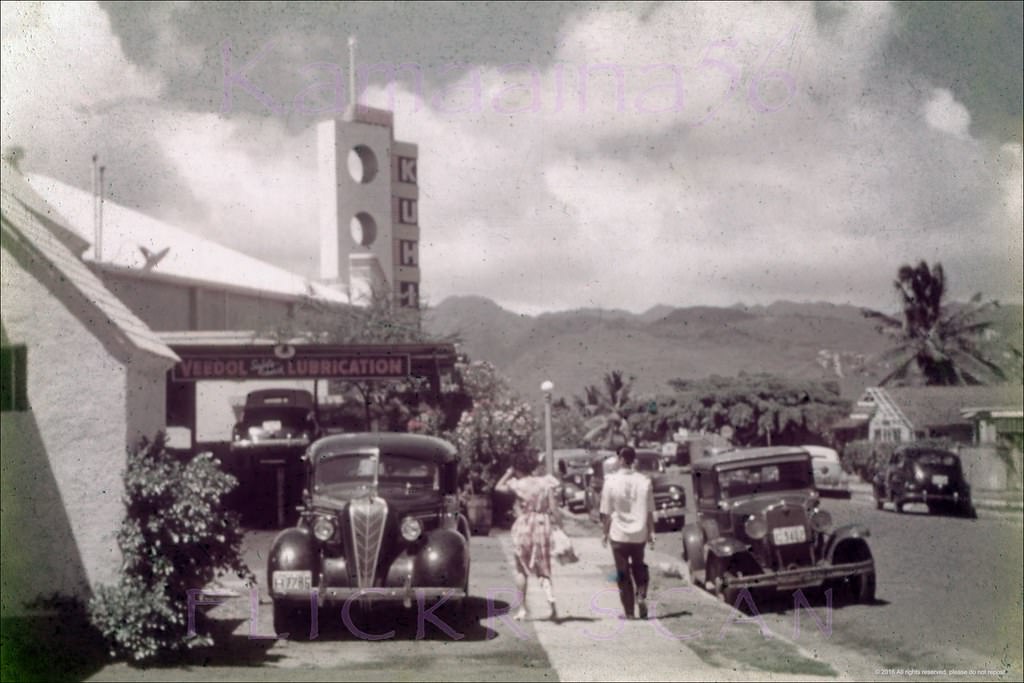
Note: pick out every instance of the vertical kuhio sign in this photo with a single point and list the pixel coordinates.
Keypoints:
(239, 366)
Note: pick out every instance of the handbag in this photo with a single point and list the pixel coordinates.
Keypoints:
(561, 547)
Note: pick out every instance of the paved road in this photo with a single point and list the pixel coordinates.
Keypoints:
(949, 598)
(949, 592)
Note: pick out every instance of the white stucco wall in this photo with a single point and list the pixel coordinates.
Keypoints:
(63, 460)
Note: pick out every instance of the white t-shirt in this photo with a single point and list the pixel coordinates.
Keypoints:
(627, 497)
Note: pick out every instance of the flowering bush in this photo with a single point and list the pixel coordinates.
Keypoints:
(176, 536)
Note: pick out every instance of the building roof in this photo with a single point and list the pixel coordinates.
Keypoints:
(189, 256)
(48, 246)
(939, 405)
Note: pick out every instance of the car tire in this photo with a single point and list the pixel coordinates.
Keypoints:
(864, 588)
(291, 619)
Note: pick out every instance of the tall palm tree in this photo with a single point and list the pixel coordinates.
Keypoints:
(606, 411)
(937, 339)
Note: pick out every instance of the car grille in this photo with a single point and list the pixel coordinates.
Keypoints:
(368, 517)
(790, 554)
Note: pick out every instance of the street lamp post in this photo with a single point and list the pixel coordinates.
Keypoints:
(547, 387)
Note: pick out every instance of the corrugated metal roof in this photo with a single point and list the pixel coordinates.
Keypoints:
(189, 256)
(16, 202)
(939, 406)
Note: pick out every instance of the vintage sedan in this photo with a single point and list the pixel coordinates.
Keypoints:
(759, 526)
(669, 488)
(828, 472)
(573, 467)
(924, 474)
(380, 522)
(267, 445)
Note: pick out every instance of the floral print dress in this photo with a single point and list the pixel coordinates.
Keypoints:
(531, 532)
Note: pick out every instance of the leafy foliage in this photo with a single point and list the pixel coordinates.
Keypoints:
(497, 426)
(761, 409)
(176, 536)
(607, 410)
(937, 340)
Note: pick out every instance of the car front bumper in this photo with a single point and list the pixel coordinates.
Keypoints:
(404, 594)
(803, 577)
(669, 513)
(925, 496)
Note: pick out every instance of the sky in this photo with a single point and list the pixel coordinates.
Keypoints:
(574, 155)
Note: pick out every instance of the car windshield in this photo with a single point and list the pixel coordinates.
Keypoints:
(746, 481)
(935, 460)
(358, 468)
(647, 462)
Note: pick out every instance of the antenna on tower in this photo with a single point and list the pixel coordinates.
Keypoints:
(353, 96)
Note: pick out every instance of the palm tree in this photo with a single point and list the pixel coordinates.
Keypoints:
(606, 412)
(940, 340)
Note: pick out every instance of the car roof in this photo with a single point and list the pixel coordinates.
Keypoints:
(578, 453)
(278, 397)
(821, 452)
(741, 455)
(413, 445)
(914, 450)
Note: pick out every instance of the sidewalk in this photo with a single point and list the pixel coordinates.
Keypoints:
(590, 642)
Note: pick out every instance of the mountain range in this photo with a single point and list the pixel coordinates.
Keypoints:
(576, 348)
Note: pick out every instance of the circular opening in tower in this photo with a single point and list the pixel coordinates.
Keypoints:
(363, 229)
(362, 164)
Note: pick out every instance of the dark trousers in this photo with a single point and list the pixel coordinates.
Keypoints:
(629, 570)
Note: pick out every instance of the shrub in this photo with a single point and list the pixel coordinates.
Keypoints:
(176, 536)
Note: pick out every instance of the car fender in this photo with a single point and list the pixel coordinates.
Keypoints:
(293, 549)
(725, 547)
(851, 536)
(693, 546)
(442, 560)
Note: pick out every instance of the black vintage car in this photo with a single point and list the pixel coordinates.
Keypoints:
(669, 489)
(267, 444)
(380, 522)
(924, 474)
(573, 468)
(759, 526)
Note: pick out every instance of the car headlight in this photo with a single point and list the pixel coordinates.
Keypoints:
(577, 479)
(675, 492)
(820, 520)
(411, 528)
(323, 528)
(755, 527)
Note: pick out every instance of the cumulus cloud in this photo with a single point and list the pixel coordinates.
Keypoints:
(944, 113)
(687, 154)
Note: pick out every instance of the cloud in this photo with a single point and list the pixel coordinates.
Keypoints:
(945, 114)
(795, 163)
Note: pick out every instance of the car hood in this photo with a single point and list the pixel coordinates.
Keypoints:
(397, 497)
(663, 480)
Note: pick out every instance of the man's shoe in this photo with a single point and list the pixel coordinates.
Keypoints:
(642, 606)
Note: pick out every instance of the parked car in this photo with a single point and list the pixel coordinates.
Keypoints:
(924, 474)
(759, 526)
(829, 477)
(573, 466)
(267, 444)
(380, 522)
(669, 488)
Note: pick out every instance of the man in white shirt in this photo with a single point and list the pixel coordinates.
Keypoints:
(627, 510)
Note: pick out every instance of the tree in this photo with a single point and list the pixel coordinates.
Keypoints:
(607, 411)
(941, 341)
(761, 409)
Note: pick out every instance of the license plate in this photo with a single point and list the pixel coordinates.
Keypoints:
(940, 479)
(293, 580)
(785, 535)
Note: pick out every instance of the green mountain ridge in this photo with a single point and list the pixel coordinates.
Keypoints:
(814, 340)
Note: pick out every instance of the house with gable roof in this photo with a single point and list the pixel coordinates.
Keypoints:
(83, 379)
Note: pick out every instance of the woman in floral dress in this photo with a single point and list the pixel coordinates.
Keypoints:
(537, 514)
